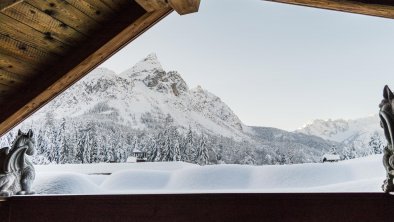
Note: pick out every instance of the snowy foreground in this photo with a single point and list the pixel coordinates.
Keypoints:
(357, 175)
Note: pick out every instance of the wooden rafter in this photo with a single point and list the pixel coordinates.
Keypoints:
(4, 4)
(129, 24)
(47, 45)
(182, 7)
(380, 8)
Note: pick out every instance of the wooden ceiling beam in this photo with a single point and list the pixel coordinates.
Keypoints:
(67, 14)
(16, 65)
(4, 4)
(182, 7)
(380, 8)
(118, 32)
(94, 9)
(31, 36)
(42, 22)
(152, 5)
(10, 78)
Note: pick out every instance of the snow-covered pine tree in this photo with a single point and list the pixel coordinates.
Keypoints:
(71, 143)
(6, 140)
(61, 146)
(189, 150)
(49, 138)
(94, 144)
(175, 141)
(84, 144)
(375, 143)
(349, 152)
(290, 154)
(157, 148)
(333, 150)
(167, 153)
(202, 153)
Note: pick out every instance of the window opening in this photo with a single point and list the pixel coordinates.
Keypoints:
(234, 115)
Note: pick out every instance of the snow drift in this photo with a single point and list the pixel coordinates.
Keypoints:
(357, 175)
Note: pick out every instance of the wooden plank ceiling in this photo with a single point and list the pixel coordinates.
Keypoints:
(47, 45)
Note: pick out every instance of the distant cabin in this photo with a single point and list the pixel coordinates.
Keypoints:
(140, 155)
(330, 158)
(131, 159)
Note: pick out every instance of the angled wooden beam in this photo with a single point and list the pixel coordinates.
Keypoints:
(131, 22)
(4, 4)
(380, 8)
(152, 5)
(184, 7)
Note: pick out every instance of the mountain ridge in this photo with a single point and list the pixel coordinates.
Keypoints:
(146, 103)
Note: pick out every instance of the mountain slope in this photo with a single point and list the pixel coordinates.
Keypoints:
(106, 115)
(357, 133)
(146, 93)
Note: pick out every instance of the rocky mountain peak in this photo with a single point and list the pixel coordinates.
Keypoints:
(150, 64)
(166, 82)
(152, 74)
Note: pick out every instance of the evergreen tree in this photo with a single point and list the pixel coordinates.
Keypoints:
(349, 152)
(189, 151)
(333, 150)
(202, 153)
(375, 144)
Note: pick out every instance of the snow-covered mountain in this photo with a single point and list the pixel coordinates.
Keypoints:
(356, 132)
(104, 116)
(146, 94)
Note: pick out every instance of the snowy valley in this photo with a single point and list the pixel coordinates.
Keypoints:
(358, 175)
(105, 116)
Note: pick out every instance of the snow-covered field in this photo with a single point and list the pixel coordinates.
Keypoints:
(357, 175)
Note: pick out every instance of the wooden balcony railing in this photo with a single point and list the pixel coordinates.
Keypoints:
(201, 207)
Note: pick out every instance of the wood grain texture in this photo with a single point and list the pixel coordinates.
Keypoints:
(16, 65)
(116, 5)
(67, 14)
(42, 22)
(117, 33)
(25, 33)
(152, 5)
(184, 7)
(205, 207)
(5, 89)
(95, 9)
(24, 51)
(380, 8)
(4, 4)
(10, 79)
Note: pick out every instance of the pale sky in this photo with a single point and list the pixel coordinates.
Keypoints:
(275, 65)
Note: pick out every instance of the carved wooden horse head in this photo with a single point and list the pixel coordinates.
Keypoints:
(24, 140)
(23, 144)
(17, 172)
(386, 115)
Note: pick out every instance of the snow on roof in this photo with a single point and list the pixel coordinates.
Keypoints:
(331, 157)
(137, 150)
(131, 159)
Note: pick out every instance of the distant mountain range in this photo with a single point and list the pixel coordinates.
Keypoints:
(357, 132)
(104, 116)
